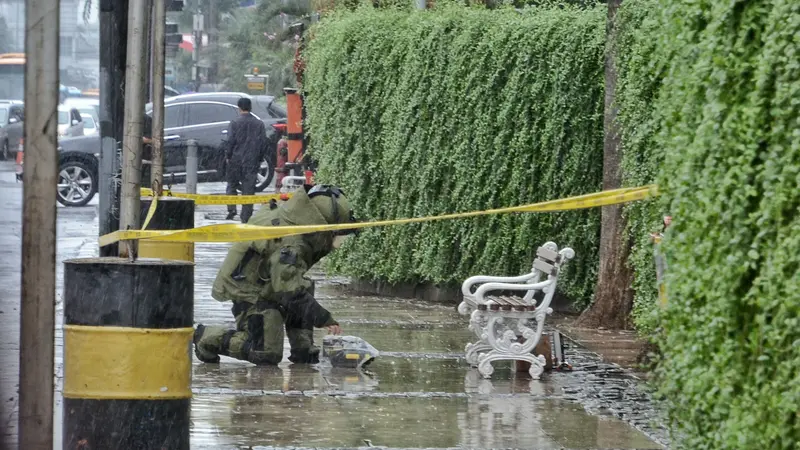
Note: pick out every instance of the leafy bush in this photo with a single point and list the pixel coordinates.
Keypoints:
(455, 109)
(731, 363)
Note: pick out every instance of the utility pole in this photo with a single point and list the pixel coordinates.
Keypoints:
(198, 41)
(159, 66)
(135, 74)
(37, 311)
(212, 42)
(113, 56)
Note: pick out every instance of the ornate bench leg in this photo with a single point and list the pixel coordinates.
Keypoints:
(485, 366)
(473, 352)
(505, 345)
(477, 324)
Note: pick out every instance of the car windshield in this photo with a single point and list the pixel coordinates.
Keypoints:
(3, 116)
(63, 117)
(88, 121)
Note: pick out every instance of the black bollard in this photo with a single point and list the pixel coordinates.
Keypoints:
(127, 353)
(171, 214)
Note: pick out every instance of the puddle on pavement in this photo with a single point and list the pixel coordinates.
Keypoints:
(385, 375)
(382, 310)
(225, 420)
(394, 339)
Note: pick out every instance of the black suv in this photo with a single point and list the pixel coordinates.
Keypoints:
(203, 117)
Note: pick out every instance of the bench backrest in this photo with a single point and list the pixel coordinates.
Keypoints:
(547, 263)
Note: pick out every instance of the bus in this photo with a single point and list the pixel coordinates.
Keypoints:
(12, 76)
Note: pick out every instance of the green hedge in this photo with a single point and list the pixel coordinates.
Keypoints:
(640, 68)
(456, 109)
(731, 140)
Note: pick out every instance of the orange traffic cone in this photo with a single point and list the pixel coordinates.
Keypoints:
(20, 158)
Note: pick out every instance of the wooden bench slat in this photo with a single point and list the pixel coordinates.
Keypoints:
(506, 303)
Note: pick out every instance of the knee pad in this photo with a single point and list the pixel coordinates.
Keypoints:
(255, 328)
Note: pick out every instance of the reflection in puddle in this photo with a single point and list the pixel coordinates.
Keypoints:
(330, 407)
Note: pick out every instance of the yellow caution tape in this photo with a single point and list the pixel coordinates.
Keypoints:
(200, 199)
(150, 212)
(243, 232)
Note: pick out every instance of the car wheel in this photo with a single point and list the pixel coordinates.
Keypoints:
(265, 174)
(77, 183)
(4, 151)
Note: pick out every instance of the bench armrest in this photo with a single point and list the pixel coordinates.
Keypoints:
(469, 283)
(488, 287)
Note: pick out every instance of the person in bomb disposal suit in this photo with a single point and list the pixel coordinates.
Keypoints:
(247, 146)
(267, 284)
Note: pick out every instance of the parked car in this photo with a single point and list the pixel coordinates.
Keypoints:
(84, 104)
(12, 115)
(89, 109)
(201, 117)
(170, 92)
(70, 122)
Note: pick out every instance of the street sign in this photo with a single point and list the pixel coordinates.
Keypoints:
(256, 83)
(198, 22)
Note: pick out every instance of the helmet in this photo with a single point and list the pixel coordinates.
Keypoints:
(332, 204)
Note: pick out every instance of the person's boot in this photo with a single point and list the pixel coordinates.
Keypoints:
(200, 349)
(304, 355)
(262, 358)
(231, 215)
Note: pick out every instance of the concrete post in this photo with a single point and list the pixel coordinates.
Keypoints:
(191, 167)
(127, 363)
(37, 309)
(159, 62)
(138, 32)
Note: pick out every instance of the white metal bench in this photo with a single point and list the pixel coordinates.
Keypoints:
(503, 323)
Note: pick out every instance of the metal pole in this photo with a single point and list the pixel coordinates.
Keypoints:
(113, 47)
(159, 61)
(37, 329)
(191, 167)
(135, 74)
(421, 4)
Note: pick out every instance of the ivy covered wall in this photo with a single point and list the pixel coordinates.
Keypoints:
(730, 104)
(427, 112)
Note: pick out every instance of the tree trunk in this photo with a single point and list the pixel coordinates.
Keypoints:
(613, 298)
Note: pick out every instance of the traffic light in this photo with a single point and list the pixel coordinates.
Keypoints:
(173, 37)
(175, 5)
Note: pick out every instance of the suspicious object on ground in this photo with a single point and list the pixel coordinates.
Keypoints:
(348, 351)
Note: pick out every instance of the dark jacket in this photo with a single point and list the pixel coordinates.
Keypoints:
(247, 143)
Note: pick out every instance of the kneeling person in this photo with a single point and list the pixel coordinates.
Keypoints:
(265, 280)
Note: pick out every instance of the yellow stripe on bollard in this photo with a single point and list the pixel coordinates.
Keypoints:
(182, 251)
(244, 232)
(119, 363)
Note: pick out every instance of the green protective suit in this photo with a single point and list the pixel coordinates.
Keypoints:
(266, 282)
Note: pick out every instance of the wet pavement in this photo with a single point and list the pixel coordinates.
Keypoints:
(418, 394)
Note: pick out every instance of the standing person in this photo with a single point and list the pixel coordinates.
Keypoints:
(247, 146)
